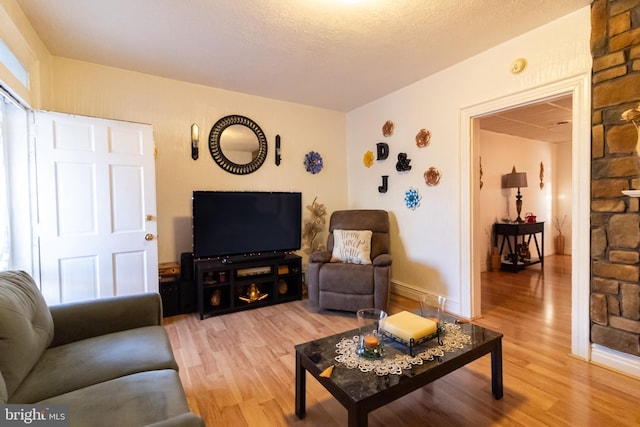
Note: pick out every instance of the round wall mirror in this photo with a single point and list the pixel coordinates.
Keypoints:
(237, 144)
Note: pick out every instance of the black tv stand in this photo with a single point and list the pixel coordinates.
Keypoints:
(234, 259)
(247, 282)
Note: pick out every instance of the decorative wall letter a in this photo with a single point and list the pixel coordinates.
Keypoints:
(385, 184)
(383, 150)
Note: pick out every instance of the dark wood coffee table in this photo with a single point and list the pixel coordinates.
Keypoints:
(362, 392)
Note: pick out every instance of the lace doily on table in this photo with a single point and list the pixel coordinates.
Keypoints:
(454, 338)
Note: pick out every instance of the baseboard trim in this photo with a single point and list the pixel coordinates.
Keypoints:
(406, 291)
(413, 293)
(615, 360)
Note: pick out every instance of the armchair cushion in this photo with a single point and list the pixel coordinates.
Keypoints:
(27, 328)
(352, 246)
(332, 279)
(320, 257)
(382, 260)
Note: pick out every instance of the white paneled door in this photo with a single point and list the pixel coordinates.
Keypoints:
(96, 207)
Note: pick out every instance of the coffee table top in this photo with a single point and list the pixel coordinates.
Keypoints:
(356, 385)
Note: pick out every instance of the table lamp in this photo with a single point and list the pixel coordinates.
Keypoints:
(516, 180)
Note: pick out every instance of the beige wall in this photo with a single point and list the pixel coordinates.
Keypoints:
(172, 106)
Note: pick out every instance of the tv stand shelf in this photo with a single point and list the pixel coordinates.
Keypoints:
(241, 285)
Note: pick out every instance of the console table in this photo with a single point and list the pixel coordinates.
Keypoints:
(518, 234)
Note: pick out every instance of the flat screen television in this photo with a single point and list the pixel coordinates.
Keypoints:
(227, 224)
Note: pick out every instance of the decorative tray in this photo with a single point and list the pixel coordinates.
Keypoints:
(412, 342)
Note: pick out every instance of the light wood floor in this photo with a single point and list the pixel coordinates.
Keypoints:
(239, 369)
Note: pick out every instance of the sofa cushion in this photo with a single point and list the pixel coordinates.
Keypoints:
(182, 420)
(4, 396)
(133, 400)
(26, 327)
(87, 362)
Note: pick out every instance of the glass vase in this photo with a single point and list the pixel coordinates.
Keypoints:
(432, 306)
(370, 323)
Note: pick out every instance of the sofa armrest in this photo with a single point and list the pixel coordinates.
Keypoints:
(183, 420)
(320, 256)
(382, 260)
(86, 319)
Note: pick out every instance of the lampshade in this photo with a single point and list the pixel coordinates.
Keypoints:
(516, 180)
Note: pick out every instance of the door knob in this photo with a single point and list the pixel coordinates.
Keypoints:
(148, 236)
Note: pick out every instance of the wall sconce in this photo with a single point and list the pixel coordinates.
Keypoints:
(278, 150)
(195, 137)
(516, 180)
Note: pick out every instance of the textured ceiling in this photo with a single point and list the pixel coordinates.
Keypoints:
(549, 121)
(334, 54)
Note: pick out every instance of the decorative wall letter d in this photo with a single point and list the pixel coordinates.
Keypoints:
(383, 150)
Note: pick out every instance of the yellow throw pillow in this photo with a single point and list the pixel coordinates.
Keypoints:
(352, 246)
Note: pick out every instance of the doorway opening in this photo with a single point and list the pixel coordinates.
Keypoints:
(535, 140)
(579, 89)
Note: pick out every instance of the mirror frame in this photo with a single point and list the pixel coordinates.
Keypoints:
(223, 161)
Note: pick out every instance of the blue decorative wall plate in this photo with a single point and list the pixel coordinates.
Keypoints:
(412, 198)
(313, 162)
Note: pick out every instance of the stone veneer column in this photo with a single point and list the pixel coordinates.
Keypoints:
(615, 166)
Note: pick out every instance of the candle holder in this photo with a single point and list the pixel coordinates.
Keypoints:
(370, 323)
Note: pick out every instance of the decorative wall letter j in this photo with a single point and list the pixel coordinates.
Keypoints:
(385, 184)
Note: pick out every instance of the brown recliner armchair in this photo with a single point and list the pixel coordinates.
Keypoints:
(349, 286)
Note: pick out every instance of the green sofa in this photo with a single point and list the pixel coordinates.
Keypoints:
(109, 360)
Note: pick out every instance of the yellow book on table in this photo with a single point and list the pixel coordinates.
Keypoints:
(406, 325)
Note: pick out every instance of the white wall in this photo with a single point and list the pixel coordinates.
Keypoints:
(172, 106)
(427, 242)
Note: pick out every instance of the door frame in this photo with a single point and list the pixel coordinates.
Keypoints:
(470, 284)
